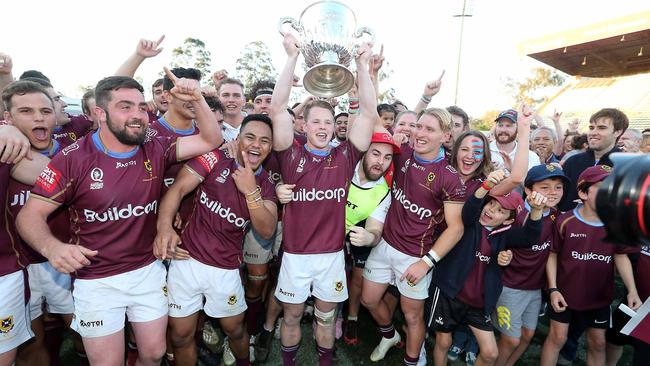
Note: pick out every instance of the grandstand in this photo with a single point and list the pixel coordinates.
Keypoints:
(610, 62)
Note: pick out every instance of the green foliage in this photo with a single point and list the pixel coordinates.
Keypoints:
(255, 63)
(528, 90)
(485, 122)
(192, 53)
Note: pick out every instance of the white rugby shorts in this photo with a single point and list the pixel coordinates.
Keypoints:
(15, 322)
(49, 286)
(254, 253)
(322, 275)
(386, 265)
(101, 303)
(189, 282)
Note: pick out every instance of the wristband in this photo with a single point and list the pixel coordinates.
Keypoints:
(428, 260)
(425, 99)
(553, 289)
(486, 186)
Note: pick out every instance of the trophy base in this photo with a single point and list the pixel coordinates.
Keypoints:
(328, 80)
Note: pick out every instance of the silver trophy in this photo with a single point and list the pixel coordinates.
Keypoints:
(328, 37)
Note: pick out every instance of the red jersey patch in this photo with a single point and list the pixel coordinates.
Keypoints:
(48, 179)
(208, 161)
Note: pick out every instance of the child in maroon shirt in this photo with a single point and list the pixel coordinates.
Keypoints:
(580, 273)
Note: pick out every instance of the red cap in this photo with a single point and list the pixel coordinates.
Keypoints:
(385, 138)
(594, 174)
(510, 201)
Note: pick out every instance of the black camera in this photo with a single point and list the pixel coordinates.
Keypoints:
(623, 200)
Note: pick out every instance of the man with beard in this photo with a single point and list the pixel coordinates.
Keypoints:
(231, 95)
(340, 129)
(313, 261)
(232, 192)
(504, 146)
(24, 103)
(111, 181)
(367, 205)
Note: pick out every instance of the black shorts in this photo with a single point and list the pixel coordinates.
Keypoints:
(596, 318)
(449, 314)
(359, 255)
(613, 334)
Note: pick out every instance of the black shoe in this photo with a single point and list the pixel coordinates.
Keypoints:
(350, 334)
(263, 345)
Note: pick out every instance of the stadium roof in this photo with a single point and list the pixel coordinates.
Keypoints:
(616, 47)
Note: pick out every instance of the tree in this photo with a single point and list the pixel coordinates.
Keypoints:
(255, 63)
(484, 123)
(193, 54)
(531, 89)
(386, 95)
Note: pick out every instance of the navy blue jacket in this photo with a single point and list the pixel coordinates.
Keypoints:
(452, 271)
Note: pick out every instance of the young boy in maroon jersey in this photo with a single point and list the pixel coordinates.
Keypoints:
(517, 309)
(468, 279)
(580, 273)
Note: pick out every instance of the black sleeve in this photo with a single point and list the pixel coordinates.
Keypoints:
(472, 210)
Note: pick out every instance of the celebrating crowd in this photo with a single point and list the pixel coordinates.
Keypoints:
(140, 223)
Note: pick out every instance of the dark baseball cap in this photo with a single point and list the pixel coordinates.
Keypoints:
(510, 114)
(594, 174)
(510, 201)
(544, 171)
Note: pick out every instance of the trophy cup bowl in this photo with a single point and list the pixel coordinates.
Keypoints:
(328, 40)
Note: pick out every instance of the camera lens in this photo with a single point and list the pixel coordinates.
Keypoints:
(623, 200)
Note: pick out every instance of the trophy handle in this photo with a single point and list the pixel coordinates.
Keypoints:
(292, 22)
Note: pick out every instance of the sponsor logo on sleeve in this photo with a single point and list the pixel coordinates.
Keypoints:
(208, 161)
(48, 179)
(97, 176)
(406, 165)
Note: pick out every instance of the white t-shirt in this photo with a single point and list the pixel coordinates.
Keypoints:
(497, 159)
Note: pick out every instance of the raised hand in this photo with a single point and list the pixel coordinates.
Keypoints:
(6, 64)
(376, 62)
(296, 81)
(556, 116)
(219, 76)
(524, 115)
(187, 90)
(13, 145)
(244, 176)
(147, 48)
(495, 177)
(504, 258)
(433, 87)
(536, 200)
(290, 44)
(364, 53)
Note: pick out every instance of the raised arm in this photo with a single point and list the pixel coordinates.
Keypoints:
(520, 164)
(430, 89)
(361, 130)
(6, 77)
(282, 125)
(145, 49)
(559, 143)
(209, 137)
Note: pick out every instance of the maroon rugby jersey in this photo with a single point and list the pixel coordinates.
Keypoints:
(314, 221)
(9, 252)
(473, 291)
(418, 193)
(642, 273)
(585, 262)
(112, 199)
(527, 270)
(58, 221)
(72, 131)
(215, 230)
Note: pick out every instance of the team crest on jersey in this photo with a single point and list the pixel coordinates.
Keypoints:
(97, 176)
(164, 289)
(6, 324)
(223, 176)
(70, 149)
(410, 283)
(48, 178)
(232, 300)
(338, 286)
(147, 165)
(406, 165)
(301, 165)
(73, 136)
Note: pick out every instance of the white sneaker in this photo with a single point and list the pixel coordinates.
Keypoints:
(384, 345)
(422, 361)
(228, 356)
